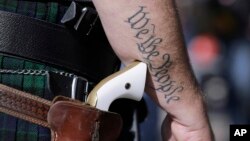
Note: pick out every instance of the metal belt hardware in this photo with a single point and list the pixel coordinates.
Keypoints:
(59, 82)
(80, 19)
(75, 87)
(58, 46)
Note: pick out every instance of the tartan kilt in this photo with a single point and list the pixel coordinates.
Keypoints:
(14, 129)
(11, 128)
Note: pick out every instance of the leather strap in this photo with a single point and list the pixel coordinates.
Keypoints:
(24, 105)
(69, 120)
(55, 45)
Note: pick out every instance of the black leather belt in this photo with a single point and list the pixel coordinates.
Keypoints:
(91, 56)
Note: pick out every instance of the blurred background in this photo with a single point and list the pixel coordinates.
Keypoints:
(217, 34)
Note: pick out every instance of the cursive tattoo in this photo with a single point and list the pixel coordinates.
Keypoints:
(148, 43)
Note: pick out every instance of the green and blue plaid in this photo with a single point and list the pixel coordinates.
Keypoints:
(13, 129)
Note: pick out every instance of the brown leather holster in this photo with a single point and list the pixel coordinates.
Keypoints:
(69, 120)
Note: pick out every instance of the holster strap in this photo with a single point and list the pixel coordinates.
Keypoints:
(23, 105)
(69, 120)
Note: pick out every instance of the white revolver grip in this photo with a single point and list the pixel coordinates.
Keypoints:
(129, 84)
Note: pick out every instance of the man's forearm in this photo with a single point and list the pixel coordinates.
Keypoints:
(149, 31)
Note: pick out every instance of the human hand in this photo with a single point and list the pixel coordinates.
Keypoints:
(136, 32)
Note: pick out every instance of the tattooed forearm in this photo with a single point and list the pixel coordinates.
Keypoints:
(148, 44)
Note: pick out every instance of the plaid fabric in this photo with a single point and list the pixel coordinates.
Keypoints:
(13, 129)
(48, 11)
